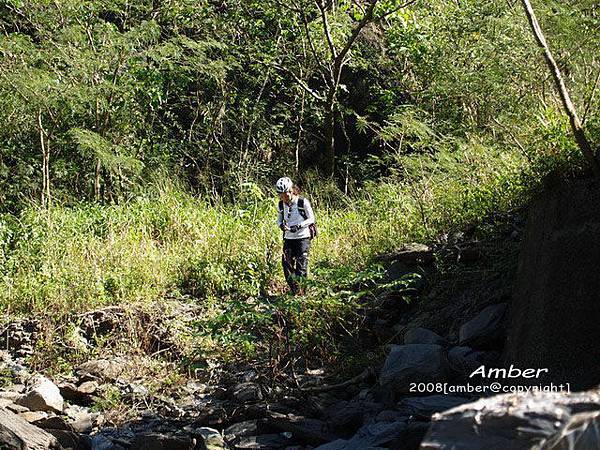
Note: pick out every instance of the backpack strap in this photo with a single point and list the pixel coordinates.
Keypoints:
(280, 206)
(301, 209)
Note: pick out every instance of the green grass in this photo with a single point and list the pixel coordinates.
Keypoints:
(169, 244)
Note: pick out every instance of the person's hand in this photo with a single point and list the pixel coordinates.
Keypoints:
(284, 227)
(294, 228)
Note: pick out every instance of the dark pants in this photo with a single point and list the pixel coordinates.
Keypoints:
(295, 261)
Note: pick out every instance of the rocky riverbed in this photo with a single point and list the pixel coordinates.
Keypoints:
(414, 397)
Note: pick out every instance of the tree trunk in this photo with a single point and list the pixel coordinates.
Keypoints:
(328, 162)
(45, 145)
(578, 132)
(97, 180)
(47, 170)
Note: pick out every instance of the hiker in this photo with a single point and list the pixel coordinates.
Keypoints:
(297, 221)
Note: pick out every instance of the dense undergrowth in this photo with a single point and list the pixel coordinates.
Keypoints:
(168, 244)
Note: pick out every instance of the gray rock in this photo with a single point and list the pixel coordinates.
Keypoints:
(81, 419)
(426, 406)
(83, 424)
(88, 387)
(520, 421)
(17, 433)
(195, 387)
(468, 254)
(409, 260)
(17, 409)
(343, 444)
(486, 330)
(18, 388)
(304, 429)
(100, 442)
(69, 439)
(43, 395)
(419, 363)
(33, 416)
(247, 392)
(10, 395)
(345, 417)
(376, 435)
(161, 441)
(241, 429)
(70, 392)
(210, 438)
(219, 393)
(53, 423)
(390, 415)
(246, 428)
(338, 444)
(464, 360)
(414, 253)
(136, 390)
(263, 441)
(4, 402)
(103, 369)
(423, 336)
(414, 435)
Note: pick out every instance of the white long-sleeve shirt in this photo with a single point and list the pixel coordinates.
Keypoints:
(291, 216)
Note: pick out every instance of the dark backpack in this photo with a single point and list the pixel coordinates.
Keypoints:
(312, 228)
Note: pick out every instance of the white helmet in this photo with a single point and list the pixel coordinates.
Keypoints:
(283, 185)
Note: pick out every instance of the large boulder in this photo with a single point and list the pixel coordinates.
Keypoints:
(372, 436)
(101, 369)
(247, 392)
(70, 440)
(345, 417)
(264, 442)
(255, 433)
(555, 311)
(542, 420)
(210, 439)
(161, 441)
(486, 330)
(414, 254)
(410, 259)
(17, 433)
(413, 363)
(303, 429)
(426, 406)
(423, 336)
(464, 360)
(234, 432)
(43, 395)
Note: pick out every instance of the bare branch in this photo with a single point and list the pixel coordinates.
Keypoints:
(301, 83)
(327, 29)
(311, 44)
(359, 6)
(368, 16)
